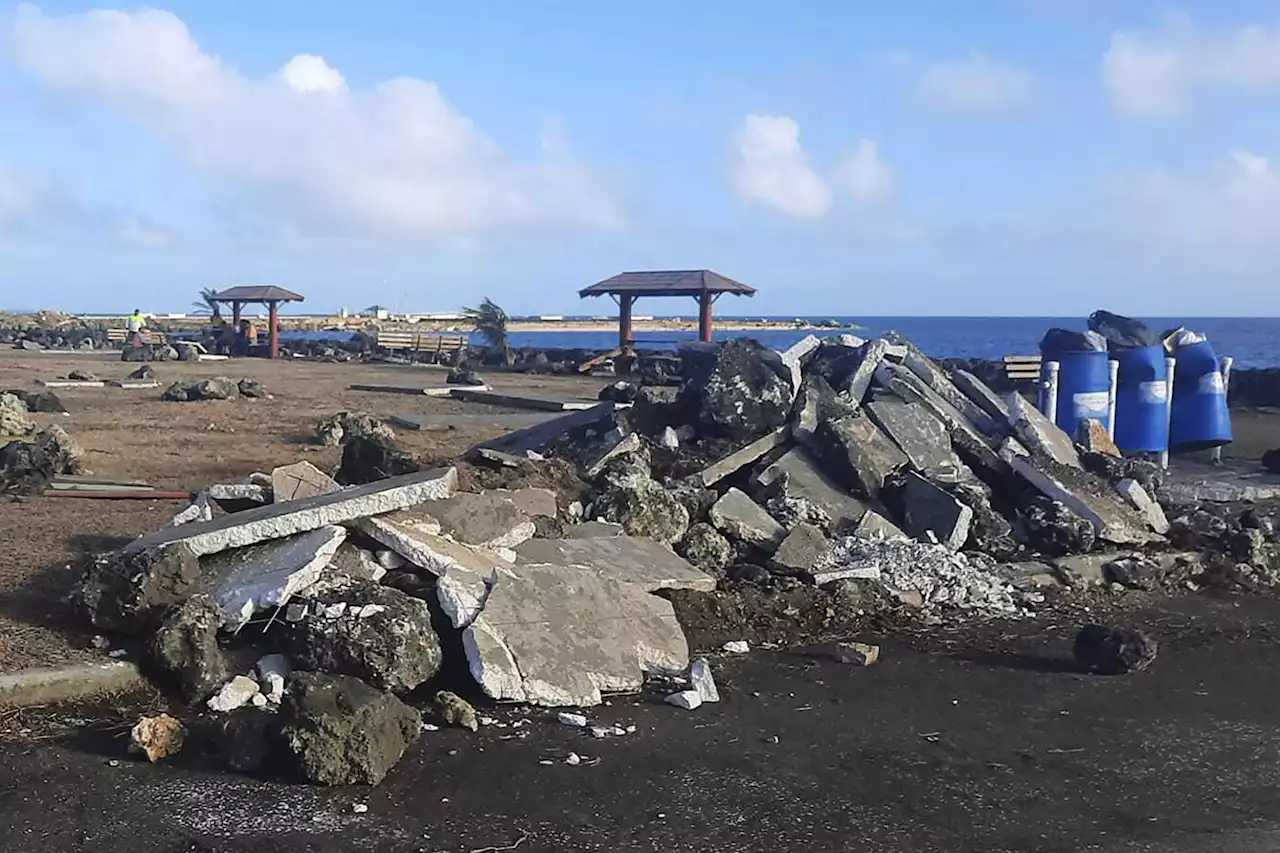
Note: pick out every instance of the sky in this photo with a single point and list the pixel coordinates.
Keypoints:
(864, 158)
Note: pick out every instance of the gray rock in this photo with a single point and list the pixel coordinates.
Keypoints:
(382, 636)
(796, 490)
(1084, 569)
(1039, 434)
(243, 738)
(1138, 498)
(745, 392)
(127, 593)
(743, 520)
(216, 388)
(1053, 528)
(929, 513)
(668, 439)
(251, 388)
(1113, 651)
(341, 731)
(922, 437)
(859, 381)
(1029, 575)
(269, 574)
(804, 546)
(1089, 498)
(142, 373)
(743, 457)
(186, 646)
(236, 693)
(687, 700)
(625, 445)
(706, 548)
(643, 508)
(300, 480)
(15, 421)
(455, 711)
(702, 681)
(335, 429)
(981, 394)
(860, 455)
(643, 562)
(488, 520)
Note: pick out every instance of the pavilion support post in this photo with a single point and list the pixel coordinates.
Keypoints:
(625, 301)
(235, 314)
(274, 332)
(704, 317)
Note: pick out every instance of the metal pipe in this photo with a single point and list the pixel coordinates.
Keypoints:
(1050, 408)
(1113, 368)
(1215, 455)
(1170, 364)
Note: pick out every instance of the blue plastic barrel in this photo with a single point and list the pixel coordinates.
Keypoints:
(1200, 418)
(1142, 402)
(1084, 385)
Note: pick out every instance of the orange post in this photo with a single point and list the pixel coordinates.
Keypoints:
(274, 314)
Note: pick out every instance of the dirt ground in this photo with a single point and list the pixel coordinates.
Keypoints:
(187, 446)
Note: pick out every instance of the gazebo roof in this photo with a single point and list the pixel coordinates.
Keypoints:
(667, 283)
(257, 293)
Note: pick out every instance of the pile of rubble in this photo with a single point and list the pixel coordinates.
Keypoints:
(32, 455)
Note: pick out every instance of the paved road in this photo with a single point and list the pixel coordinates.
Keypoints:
(970, 743)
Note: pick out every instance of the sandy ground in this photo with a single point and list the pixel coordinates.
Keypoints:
(187, 446)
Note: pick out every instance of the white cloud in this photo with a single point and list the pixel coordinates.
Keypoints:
(976, 83)
(865, 173)
(770, 166)
(1157, 73)
(392, 159)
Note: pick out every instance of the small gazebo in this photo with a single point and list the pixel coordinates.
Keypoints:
(266, 294)
(703, 285)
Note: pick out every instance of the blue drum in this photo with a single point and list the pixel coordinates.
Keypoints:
(1200, 418)
(1084, 386)
(1142, 401)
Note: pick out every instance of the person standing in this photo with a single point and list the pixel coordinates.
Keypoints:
(136, 324)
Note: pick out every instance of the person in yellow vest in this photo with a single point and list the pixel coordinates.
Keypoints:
(136, 325)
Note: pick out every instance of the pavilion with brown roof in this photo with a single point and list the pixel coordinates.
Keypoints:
(703, 285)
(267, 294)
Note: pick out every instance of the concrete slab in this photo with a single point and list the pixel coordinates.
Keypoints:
(922, 436)
(1039, 434)
(300, 480)
(644, 562)
(1132, 491)
(965, 437)
(981, 394)
(252, 492)
(471, 394)
(796, 476)
(75, 683)
(629, 443)
(276, 521)
(863, 454)
(1112, 519)
(530, 501)
(743, 520)
(411, 390)
(860, 380)
(564, 636)
(800, 551)
(538, 436)
(594, 530)
(930, 514)
(486, 519)
(793, 358)
(71, 383)
(441, 423)
(933, 376)
(267, 575)
(739, 459)
(136, 384)
(876, 526)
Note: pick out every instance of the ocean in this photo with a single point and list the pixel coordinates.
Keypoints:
(1251, 341)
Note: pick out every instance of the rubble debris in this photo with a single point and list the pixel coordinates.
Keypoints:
(14, 418)
(243, 738)
(199, 510)
(875, 526)
(273, 672)
(567, 718)
(857, 654)
(236, 497)
(689, 700)
(268, 575)
(1112, 519)
(488, 519)
(186, 646)
(737, 647)
(300, 480)
(928, 513)
(540, 436)
(801, 550)
(922, 437)
(744, 392)
(455, 711)
(236, 693)
(859, 381)
(463, 375)
(279, 520)
(620, 392)
(1094, 438)
(341, 731)
(743, 520)
(796, 490)
(669, 439)
(1133, 573)
(739, 459)
(706, 548)
(1084, 569)
(795, 357)
(1138, 498)
(643, 507)
(1028, 575)
(252, 389)
(979, 392)
(595, 530)
(860, 455)
(648, 564)
(937, 381)
(620, 633)
(142, 373)
(381, 636)
(335, 429)
(702, 681)
(127, 592)
(1056, 529)
(157, 737)
(1114, 651)
(532, 502)
(1039, 434)
(27, 466)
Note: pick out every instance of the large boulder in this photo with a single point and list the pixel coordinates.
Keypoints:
(129, 592)
(336, 429)
(643, 507)
(1113, 651)
(369, 631)
(341, 731)
(706, 548)
(186, 646)
(742, 391)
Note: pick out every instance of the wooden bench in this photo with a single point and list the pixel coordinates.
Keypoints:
(422, 344)
(121, 336)
(1022, 368)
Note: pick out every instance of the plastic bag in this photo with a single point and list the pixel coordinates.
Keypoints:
(1122, 332)
(1065, 340)
(1186, 337)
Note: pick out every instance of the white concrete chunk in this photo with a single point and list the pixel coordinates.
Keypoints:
(703, 682)
(268, 575)
(689, 700)
(236, 693)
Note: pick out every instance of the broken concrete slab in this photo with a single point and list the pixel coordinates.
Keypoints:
(922, 437)
(485, 519)
(530, 501)
(981, 394)
(276, 521)
(701, 679)
(798, 483)
(860, 380)
(412, 390)
(739, 459)
(933, 376)
(619, 633)
(1132, 491)
(236, 693)
(1039, 434)
(801, 550)
(350, 563)
(300, 480)
(518, 401)
(199, 510)
(266, 575)
(538, 436)
(1084, 569)
(742, 519)
(253, 493)
(1029, 575)
(629, 443)
(932, 515)
(876, 526)
(794, 357)
(643, 562)
(1089, 498)
(72, 383)
(860, 453)
(594, 530)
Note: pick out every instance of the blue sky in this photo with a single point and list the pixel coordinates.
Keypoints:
(1043, 157)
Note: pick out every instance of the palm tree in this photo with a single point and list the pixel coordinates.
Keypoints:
(206, 304)
(491, 322)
